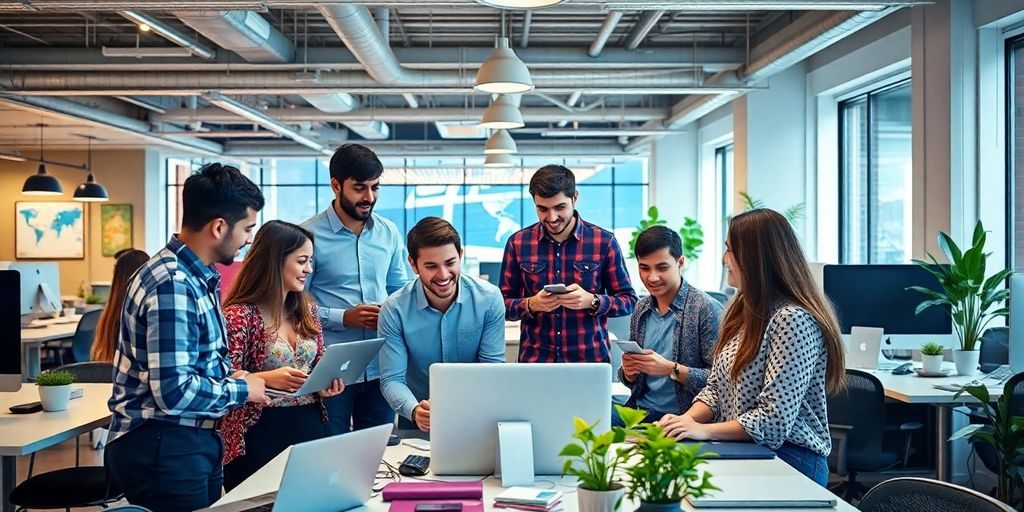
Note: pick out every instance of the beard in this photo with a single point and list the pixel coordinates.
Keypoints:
(350, 208)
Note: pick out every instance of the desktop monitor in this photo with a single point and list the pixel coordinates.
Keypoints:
(40, 289)
(877, 296)
(468, 400)
(1016, 321)
(10, 331)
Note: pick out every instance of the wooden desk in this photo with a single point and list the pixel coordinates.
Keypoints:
(33, 338)
(23, 434)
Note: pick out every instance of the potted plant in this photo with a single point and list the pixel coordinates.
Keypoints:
(692, 234)
(1005, 433)
(54, 389)
(665, 471)
(973, 300)
(594, 461)
(931, 357)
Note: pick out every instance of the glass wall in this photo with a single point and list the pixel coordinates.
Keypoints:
(1015, 153)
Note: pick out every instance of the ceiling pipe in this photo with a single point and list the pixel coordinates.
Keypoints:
(405, 115)
(607, 28)
(647, 21)
(433, 148)
(524, 39)
(573, 98)
(262, 5)
(170, 34)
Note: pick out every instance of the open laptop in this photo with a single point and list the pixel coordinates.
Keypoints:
(733, 449)
(765, 492)
(345, 361)
(863, 346)
(326, 475)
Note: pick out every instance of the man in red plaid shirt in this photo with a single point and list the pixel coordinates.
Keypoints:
(564, 249)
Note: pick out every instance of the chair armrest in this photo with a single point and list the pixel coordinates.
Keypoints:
(840, 435)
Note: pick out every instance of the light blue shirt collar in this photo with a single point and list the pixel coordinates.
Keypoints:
(337, 225)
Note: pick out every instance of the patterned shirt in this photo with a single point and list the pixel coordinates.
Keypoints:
(591, 258)
(780, 396)
(171, 362)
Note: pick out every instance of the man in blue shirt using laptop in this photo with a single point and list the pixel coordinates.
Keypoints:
(358, 259)
(443, 316)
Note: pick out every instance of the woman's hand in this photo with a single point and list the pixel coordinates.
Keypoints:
(284, 378)
(683, 427)
(337, 386)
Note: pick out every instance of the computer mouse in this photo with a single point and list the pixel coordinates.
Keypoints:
(394, 440)
(904, 369)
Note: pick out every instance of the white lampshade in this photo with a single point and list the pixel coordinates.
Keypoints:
(502, 115)
(520, 4)
(503, 72)
(500, 142)
(499, 160)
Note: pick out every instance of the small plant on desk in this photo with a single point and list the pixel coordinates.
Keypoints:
(931, 357)
(55, 378)
(54, 389)
(1005, 433)
(931, 349)
(594, 461)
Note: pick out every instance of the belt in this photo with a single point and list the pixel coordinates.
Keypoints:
(208, 424)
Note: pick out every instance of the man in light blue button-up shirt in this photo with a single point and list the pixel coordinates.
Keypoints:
(358, 259)
(443, 316)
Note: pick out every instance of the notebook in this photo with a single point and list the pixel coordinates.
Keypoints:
(733, 450)
(433, 491)
(765, 492)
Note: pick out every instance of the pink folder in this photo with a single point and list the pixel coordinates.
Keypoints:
(433, 491)
(410, 505)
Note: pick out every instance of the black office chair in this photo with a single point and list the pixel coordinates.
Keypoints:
(128, 508)
(81, 344)
(80, 486)
(911, 494)
(856, 425)
(995, 348)
(1015, 389)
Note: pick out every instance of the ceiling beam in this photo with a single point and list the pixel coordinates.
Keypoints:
(405, 115)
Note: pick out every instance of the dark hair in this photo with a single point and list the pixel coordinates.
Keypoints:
(356, 162)
(657, 237)
(109, 325)
(432, 232)
(218, 191)
(122, 252)
(549, 180)
(259, 280)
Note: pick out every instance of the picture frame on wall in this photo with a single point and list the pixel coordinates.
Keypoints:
(49, 230)
(115, 228)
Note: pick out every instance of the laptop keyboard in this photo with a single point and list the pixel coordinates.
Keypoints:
(262, 508)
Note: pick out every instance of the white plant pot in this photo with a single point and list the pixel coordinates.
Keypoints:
(931, 364)
(599, 501)
(54, 398)
(966, 361)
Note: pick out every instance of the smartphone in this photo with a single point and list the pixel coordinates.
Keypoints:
(629, 346)
(439, 507)
(26, 408)
(556, 289)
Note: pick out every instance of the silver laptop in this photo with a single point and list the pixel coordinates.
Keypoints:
(327, 475)
(863, 346)
(346, 361)
(765, 492)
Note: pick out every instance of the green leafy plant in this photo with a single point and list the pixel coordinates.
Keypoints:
(793, 214)
(1005, 433)
(592, 459)
(94, 299)
(692, 233)
(931, 349)
(55, 378)
(665, 471)
(973, 300)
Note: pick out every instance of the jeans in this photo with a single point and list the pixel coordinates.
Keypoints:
(811, 464)
(167, 467)
(360, 406)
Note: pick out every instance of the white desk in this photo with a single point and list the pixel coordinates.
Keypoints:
(33, 338)
(23, 434)
(912, 389)
(268, 478)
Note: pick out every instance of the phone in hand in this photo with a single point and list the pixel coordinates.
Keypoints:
(629, 346)
(556, 289)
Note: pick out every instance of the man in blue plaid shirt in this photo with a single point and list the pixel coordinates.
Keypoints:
(172, 377)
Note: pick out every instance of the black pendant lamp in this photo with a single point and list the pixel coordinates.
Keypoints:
(41, 183)
(90, 191)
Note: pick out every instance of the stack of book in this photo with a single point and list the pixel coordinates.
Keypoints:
(434, 496)
(528, 498)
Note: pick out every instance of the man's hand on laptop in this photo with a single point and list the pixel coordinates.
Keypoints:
(421, 415)
(257, 389)
(284, 378)
(362, 316)
(337, 386)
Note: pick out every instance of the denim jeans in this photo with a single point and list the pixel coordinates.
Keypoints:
(360, 406)
(811, 464)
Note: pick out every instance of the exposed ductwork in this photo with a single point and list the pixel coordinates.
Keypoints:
(646, 22)
(607, 28)
(434, 149)
(406, 115)
(261, 5)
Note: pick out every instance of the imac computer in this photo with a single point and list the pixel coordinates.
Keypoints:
(40, 289)
(1016, 321)
(10, 331)
(877, 296)
(467, 401)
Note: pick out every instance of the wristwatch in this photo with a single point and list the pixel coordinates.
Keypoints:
(595, 304)
(675, 372)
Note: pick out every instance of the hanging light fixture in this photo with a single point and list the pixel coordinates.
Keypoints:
(520, 4)
(496, 160)
(503, 114)
(41, 183)
(500, 142)
(90, 191)
(503, 72)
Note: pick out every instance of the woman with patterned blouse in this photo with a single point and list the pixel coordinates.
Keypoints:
(779, 351)
(273, 332)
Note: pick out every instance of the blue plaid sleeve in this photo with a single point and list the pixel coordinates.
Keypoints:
(175, 357)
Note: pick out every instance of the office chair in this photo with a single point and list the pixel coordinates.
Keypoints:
(81, 344)
(856, 426)
(911, 494)
(128, 508)
(80, 486)
(995, 348)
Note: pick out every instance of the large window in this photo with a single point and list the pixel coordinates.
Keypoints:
(875, 176)
(1015, 153)
(486, 206)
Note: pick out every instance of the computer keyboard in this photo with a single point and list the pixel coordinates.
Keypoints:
(1001, 374)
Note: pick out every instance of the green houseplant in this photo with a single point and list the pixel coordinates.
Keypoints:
(54, 389)
(931, 357)
(973, 300)
(594, 460)
(1005, 433)
(692, 233)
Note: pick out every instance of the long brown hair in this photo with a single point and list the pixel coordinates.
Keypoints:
(259, 282)
(109, 324)
(774, 269)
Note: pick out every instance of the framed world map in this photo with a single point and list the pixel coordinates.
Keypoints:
(49, 230)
